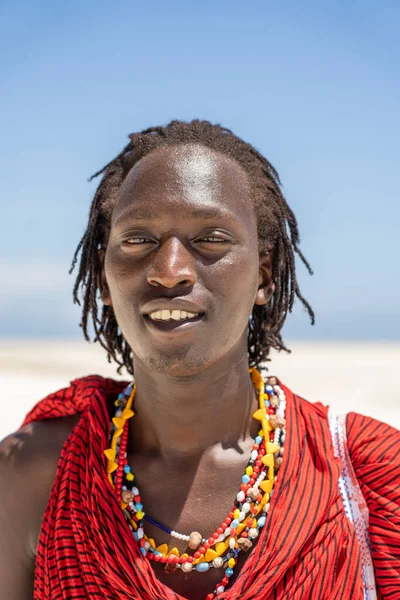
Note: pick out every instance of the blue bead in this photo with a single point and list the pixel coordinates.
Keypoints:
(283, 438)
(138, 506)
(245, 479)
(135, 535)
(157, 552)
(269, 389)
(143, 551)
(235, 523)
(229, 572)
(127, 468)
(271, 493)
(120, 396)
(236, 553)
(261, 522)
(258, 439)
(267, 402)
(202, 567)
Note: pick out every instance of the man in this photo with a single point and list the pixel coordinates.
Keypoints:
(191, 248)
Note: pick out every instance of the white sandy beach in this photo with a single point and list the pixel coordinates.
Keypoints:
(348, 376)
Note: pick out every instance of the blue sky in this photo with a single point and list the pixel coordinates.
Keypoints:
(314, 86)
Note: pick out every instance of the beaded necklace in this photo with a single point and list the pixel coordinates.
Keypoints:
(243, 523)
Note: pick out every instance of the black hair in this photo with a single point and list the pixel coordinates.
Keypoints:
(277, 232)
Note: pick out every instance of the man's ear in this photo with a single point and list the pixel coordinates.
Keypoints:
(102, 280)
(266, 286)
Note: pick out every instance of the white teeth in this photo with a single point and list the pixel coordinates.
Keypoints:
(175, 315)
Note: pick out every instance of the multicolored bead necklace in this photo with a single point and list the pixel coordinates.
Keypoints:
(243, 523)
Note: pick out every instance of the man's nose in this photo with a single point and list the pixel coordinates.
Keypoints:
(172, 265)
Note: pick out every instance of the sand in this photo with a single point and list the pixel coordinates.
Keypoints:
(348, 376)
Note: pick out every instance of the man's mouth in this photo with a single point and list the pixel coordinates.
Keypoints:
(168, 320)
(165, 315)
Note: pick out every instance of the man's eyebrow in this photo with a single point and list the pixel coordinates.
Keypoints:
(146, 214)
(137, 214)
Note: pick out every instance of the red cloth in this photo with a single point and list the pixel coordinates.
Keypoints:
(307, 549)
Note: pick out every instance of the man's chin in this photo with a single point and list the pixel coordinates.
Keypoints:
(177, 362)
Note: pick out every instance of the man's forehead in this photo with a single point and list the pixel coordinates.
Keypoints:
(190, 164)
(190, 178)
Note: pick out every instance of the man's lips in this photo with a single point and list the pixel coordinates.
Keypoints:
(171, 304)
(182, 326)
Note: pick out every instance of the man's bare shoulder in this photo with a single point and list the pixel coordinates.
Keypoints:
(28, 464)
(38, 436)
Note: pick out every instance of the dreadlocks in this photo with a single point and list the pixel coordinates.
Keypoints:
(276, 224)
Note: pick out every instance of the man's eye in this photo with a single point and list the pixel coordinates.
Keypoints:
(213, 239)
(136, 241)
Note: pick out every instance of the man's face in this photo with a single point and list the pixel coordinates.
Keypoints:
(183, 237)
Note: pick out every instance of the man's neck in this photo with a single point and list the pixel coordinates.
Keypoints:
(184, 417)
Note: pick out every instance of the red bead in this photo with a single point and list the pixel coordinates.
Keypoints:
(249, 523)
(210, 541)
(183, 559)
(233, 532)
(243, 487)
(270, 411)
(256, 469)
(197, 554)
(256, 446)
(202, 550)
(136, 499)
(254, 510)
(258, 463)
(225, 581)
(262, 452)
(170, 559)
(210, 597)
(220, 531)
(215, 535)
(207, 544)
(190, 559)
(228, 520)
(243, 534)
(224, 526)
(259, 497)
(156, 557)
(176, 560)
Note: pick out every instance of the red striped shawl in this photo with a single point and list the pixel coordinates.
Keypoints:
(307, 550)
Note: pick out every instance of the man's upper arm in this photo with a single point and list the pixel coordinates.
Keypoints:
(16, 561)
(28, 464)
